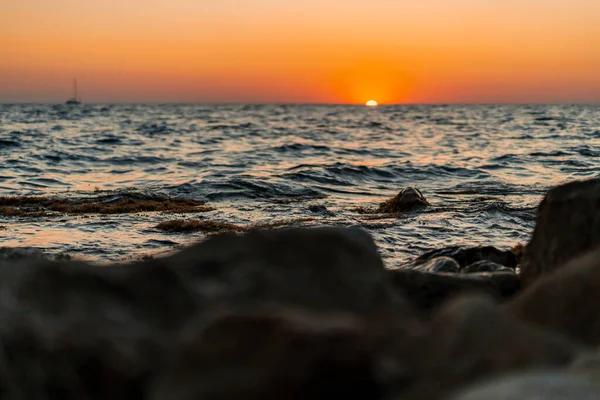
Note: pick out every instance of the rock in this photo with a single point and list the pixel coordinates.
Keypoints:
(429, 290)
(566, 301)
(70, 329)
(567, 225)
(440, 264)
(89, 332)
(466, 256)
(408, 199)
(485, 266)
(587, 364)
(323, 269)
(470, 339)
(320, 209)
(538, 385)
(273, 355)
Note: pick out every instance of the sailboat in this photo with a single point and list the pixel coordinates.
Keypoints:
(75, 99)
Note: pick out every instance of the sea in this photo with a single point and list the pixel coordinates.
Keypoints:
(483, 168)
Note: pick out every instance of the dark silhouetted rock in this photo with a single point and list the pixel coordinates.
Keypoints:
(470, 339)
(430, 290)
(72, 330)
(485, 266)
(440, 264)
(566, 300)
(567, 225)
(466, 256)
(273, 355)
(87, 332)
(542, 385)
(320, 209)
(407, 200)
(324, 269)
(587, 364)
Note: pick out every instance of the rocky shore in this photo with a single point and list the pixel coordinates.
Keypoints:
(314, 314)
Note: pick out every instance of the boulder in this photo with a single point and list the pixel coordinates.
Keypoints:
(408, 199)
(567, 225)
(470, 340)
(428, 291)
(70, 329)
(535, 385)
(440, 264)
(466, 256)
(323, 269)
(273, 355)
(566, 300)
(485, 266)
(587, 364)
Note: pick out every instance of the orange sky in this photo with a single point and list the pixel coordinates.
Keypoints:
(301, 51)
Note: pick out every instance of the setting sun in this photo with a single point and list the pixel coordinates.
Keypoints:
(372, 103)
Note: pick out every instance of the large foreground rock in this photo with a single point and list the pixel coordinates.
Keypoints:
(71, 330)
(542, 385)
(274, 355)
(323, 269)
(567, 301)
(568, 225)
(430, 290)
(471, 340)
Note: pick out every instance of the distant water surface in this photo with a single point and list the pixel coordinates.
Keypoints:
(483, 168)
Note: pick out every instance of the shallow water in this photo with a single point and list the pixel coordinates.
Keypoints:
(483, 168)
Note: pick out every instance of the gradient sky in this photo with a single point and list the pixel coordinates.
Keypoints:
(301, 51)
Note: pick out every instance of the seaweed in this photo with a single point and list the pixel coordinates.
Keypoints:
(44, 206)
(210, 226)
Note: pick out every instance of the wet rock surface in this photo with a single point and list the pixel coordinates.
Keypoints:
(439, 264)
(466, 256)
(408, 199)
(567, 225)
(485, 266)
(428, 291)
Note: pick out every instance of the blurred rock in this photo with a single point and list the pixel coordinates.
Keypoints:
(78, 331)
(542, 385)
(566, 300)
(74, 330)
(466, 256)
(430, 290)
(440, 264)
(273, 355)
(407, 200)
(323, 269)
(587, 364)
(470, 339)
(485, 266)
(567, 225)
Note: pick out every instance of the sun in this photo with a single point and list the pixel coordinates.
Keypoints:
(372, 103)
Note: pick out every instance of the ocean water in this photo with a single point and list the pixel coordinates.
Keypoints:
(484, 169)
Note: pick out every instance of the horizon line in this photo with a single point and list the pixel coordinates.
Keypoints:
(206, 103)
